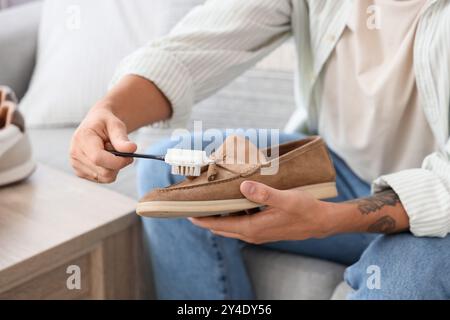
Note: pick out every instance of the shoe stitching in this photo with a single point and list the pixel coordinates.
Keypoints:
(238, 176)
(303, 152)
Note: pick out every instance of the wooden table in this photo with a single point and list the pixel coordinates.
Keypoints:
(54, 227)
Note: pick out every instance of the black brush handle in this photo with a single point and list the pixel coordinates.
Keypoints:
(136, 155)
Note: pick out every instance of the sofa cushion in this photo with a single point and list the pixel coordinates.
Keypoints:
(18, 37)
(341, 292)
(283, 276)
(80, 44)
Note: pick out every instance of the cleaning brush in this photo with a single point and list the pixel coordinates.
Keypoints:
(184, 162)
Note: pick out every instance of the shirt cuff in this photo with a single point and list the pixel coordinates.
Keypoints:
(168, 74)
(424, 197)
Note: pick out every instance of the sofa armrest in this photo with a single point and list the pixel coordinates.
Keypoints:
(18, 41)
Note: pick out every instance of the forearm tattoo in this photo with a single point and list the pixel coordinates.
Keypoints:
(366, 206)
(377, 201)
(385, 225)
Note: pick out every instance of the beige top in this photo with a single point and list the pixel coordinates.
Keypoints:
(370, 113)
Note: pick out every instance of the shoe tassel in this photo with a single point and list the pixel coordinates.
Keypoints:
(212, 172)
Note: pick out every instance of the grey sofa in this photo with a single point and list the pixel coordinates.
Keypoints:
(275, 275)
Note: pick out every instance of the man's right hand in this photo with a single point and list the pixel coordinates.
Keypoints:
(100, 131)
(132, 103)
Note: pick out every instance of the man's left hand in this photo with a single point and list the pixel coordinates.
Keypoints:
(290, 215)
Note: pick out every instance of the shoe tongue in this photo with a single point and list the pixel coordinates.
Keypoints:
(237, 153)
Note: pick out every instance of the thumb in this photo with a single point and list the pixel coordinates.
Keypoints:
(260, 193)
(117, 133)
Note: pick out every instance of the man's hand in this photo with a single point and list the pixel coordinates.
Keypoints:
(291, 215)
(295, 215)
(88, 153)
(133, 103)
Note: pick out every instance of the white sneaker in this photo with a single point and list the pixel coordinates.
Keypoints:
(16, 163)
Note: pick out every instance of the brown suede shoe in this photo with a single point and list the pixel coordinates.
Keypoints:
(304, 165)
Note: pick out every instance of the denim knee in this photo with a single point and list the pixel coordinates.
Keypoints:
(402, 267)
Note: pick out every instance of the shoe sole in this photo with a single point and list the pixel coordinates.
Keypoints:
(17, 173)
(184, 209)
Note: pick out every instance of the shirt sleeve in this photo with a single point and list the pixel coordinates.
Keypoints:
(211, 46)
(424, 193)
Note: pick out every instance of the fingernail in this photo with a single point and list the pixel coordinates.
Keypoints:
(248, 188)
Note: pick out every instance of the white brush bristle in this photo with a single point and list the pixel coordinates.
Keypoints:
(187, 162)
(186, 171)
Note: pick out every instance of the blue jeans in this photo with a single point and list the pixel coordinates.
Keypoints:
(192, 263)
